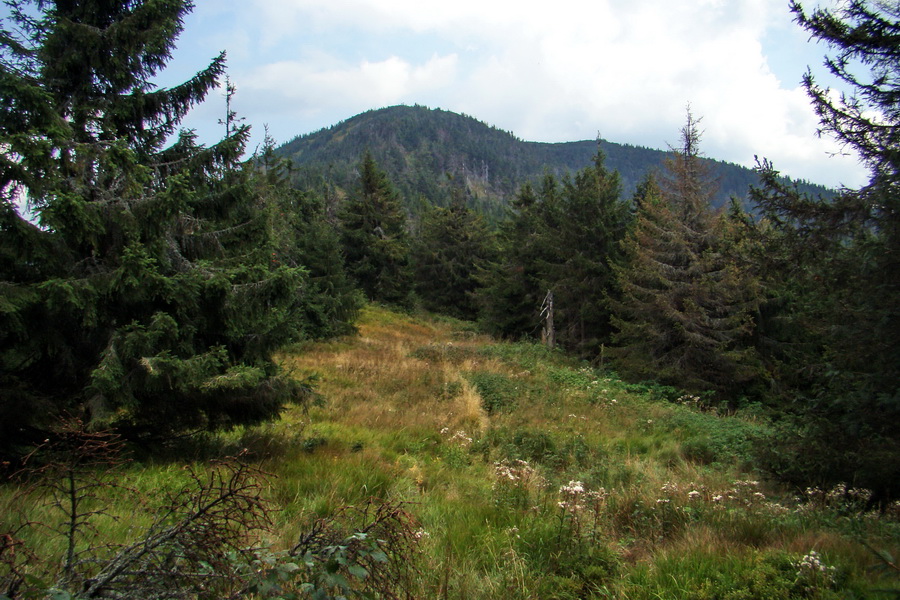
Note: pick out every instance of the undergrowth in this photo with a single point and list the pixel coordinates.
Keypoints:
(441, 464)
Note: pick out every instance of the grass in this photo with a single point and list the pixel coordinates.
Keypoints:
(427, 412)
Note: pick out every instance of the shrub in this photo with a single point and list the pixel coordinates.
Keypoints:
(498, 392)
(195, 547)
(707, 438)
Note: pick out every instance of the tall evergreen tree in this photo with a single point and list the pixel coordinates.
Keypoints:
(511, 295)
(450, 254)
(837, 262)
(375, 238)
(590, 223)
(305, 239)
(684, 308)
(561, 239)
(144, 296)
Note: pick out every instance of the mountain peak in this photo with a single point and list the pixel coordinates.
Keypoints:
(438, 155)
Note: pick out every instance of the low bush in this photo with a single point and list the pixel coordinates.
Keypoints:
(498, 392)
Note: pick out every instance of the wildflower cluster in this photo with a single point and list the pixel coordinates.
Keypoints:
(578, 503)
(696, 403)
(570, 495)
(814, 573)
(460, 437)
(605, 401)
(601, 396)
(514, 482)
(515, 471)
(669, 491)
(669, 488)
(745, 492)
(840, 496)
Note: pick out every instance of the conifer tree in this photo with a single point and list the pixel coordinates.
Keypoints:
(511, 294)
(684, 309)
(591, 220)
(834, 275)
(375, 238)
(144, 296)
(561, 239)
(453, 249)
(305, 239)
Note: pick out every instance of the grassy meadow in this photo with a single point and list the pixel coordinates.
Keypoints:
(519, 473)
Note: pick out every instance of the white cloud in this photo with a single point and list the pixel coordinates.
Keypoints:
(303, 85)
(546, 72)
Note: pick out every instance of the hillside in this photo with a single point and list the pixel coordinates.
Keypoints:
(433, 153)
(443, 464)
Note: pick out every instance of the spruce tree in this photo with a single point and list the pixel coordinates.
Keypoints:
(303, 238)
(144, 295)
(374, 237)
(512, 291)
(561, 240)
(453, 249)
(833, 272)
(683, 309)
(591, 220)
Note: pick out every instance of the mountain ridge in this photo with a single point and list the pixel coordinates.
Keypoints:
(440, 155)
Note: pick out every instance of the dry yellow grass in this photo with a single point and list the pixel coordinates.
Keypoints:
(375, 379)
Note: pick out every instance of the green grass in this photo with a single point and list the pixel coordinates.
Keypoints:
(428, 413)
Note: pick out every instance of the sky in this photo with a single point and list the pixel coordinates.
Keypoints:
(550, 71)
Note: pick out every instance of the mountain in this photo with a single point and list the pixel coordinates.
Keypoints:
(436, 154)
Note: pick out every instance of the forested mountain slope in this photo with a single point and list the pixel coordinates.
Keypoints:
(434, 153)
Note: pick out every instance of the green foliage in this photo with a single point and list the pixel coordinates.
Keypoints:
(527, 355)
(498, 392)
(151, 294)
(360, 552)
(561, 240)
(707, 438)
(524, 444)
(374, 237)
(685, 305)
(304, 238)
(194, 547)
(449, 254)
(833, 281)
(747, 577)
(513, 291)
(515, 509)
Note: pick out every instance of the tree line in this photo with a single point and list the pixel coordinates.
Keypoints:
(156, 278)
(417, 147)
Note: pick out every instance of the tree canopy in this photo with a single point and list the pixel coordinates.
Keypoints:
(834, 273)
(683, 307)
(375, 237)
(144, 294)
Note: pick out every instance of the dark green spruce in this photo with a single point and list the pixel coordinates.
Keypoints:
(147, 291)
(375, 238)
(560, 240)
(833, 266)
(450, 254)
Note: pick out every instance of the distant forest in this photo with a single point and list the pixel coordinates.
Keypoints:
(436, 154)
